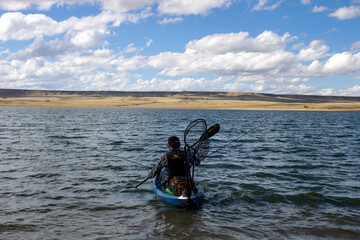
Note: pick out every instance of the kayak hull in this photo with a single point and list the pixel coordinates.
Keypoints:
(178, 201)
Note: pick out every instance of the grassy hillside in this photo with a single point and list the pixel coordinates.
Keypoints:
(181, 100)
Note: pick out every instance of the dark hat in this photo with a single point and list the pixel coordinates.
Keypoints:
(174, 142)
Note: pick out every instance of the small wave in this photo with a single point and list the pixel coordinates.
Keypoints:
(261, 195)
(267, 149)
(304, 166)
(115, 168)
(28, 194)
(134, 149)
(8, 178)
(339, 154)
(75, 129)
(251, 186)
(103, 208)
(274, 198)
(9, 171)
(301, 176)
(317, 198)
(94, 180)
(226, 200)
(45, 175)
(247, 198)
(343, 136)
(55, 197)
(66, 137)
(222, 166)
(116, 143)
(17, 227)
(265, 175)
(295, 150)
(333, 233)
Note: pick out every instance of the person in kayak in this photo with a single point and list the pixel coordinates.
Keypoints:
(173, 162)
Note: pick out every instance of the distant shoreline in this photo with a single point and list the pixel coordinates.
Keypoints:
(176, 100)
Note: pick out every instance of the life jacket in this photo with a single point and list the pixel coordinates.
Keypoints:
(175, 163)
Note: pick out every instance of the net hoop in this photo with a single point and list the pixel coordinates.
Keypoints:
(196, 140)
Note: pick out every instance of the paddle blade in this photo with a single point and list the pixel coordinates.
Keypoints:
(211, 131)
(214, 129)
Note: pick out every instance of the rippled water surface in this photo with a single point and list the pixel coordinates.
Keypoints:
(289, 175)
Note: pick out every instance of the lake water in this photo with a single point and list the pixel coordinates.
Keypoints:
(286, 175)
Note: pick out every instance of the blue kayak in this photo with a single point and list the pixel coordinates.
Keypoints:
(178, 201)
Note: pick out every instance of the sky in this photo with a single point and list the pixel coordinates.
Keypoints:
(307, 47)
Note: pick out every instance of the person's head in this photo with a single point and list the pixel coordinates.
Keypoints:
(174, 142)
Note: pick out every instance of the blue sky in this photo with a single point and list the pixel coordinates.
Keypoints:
(265, 46)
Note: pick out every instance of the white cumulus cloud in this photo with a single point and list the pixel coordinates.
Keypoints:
(16, 5)
(229, 54)
(124, 64)
(17, 26)
(343, 63)
(88, 38)
(238, 42)
(149, 42)
(176, 7)
(346, 13)
(188, 7)
(131, 48)
(317, 9)
(126, 5)
(170, 20)
(72, 34)
(68, 72)
(268, 5)
(190, 84)
(355, 46)
(238, 54)
(353, 91)
(316, 50)
(305, 2)
(41, 48)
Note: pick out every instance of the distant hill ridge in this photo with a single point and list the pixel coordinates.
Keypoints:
(12, 93)
(32, 93)
(28, 93)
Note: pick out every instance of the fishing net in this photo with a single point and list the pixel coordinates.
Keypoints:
(196, 140)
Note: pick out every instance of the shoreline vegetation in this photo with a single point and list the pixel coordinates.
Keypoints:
(175, 100)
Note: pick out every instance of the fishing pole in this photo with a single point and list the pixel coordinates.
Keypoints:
(115, 156)
(236, 139)
(138, 183)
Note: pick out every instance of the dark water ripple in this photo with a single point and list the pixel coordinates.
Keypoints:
(287, 175)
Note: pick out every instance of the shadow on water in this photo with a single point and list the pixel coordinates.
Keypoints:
(172, 222)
